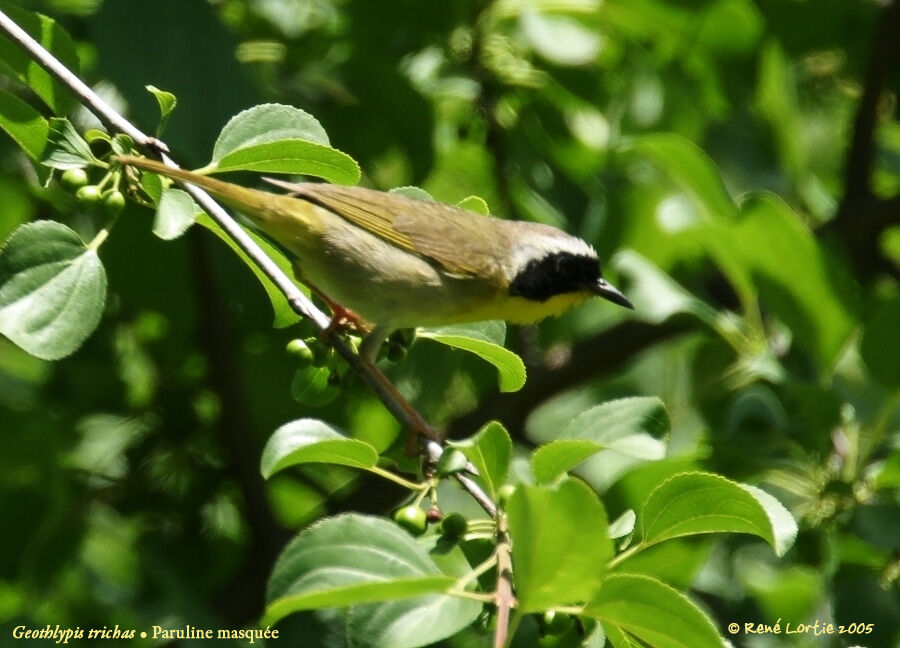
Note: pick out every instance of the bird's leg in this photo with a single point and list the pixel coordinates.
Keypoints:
(343, 317)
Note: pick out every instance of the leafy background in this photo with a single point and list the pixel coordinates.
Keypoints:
(739, 164)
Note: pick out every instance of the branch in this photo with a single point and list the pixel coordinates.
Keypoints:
(503, 598)
(861, 155)
(861, 216)
(398, 406)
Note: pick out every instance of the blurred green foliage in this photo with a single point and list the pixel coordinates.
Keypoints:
(737, 162)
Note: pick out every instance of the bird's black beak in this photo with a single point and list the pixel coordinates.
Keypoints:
(606, 290)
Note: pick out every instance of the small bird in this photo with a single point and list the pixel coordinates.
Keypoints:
(401, 262)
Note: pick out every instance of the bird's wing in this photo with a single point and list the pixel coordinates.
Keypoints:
(452, 237)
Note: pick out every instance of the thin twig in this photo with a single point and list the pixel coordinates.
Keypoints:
(372, 376)
(504, 598)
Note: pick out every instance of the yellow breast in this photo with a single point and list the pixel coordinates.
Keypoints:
(518, 310)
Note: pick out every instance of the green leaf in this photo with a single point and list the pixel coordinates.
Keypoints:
(312, 441)
(267, 123)
(655, 295)
(623, 525)
(15, 62)
(777, 101)
(811, 290)
(175, 213)
(553, 459)
(280, 139)
(560, 544)
(694, 503)
(167, 102)
(879, 346)
(24, 124)
(413, 192)
(292, 156)
(484, 339)
(452, 461)
(560, 39)
(421, 621)
(52, 289)
(312, 386)
(630, 426)
(348, 560)
(489, 450)
(476, 204)
(691, 169)
(66, 149)
(633, 607)
(284, 314)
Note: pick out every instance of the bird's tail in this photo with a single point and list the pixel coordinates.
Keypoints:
(252, 202)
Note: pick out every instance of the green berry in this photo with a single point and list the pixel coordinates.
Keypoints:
(556, 623)
(411, 518)
(299, 350)
(73, 179)
(88, 194)
(454, 525)
(506, 491)
(113, 202)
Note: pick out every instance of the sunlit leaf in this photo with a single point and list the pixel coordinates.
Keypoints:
(19, 65)
(313, 441)
(489, 451)
(24, 124)
(484, 339)
(645, 609)
(52, 289)
(348, 560)
(694, 503)
(175, 213)
(561, 540)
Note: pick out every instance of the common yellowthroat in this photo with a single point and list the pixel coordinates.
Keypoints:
(400, 262)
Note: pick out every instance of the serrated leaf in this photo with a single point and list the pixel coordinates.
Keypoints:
(482, 340)
(313, 441)
(52, 289)
(561, 544)
(24, 124)
(284, 314)
(66, 149)
(553, 459)
(489, 450)
(175, 213)
(20, 66)
(413, 192)
(348, 560)
(630, 426)
(293, 156)
(476, 204)
(267, 123)
(425, 620)
(280, 139)
(695, 503)
(637, 607)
